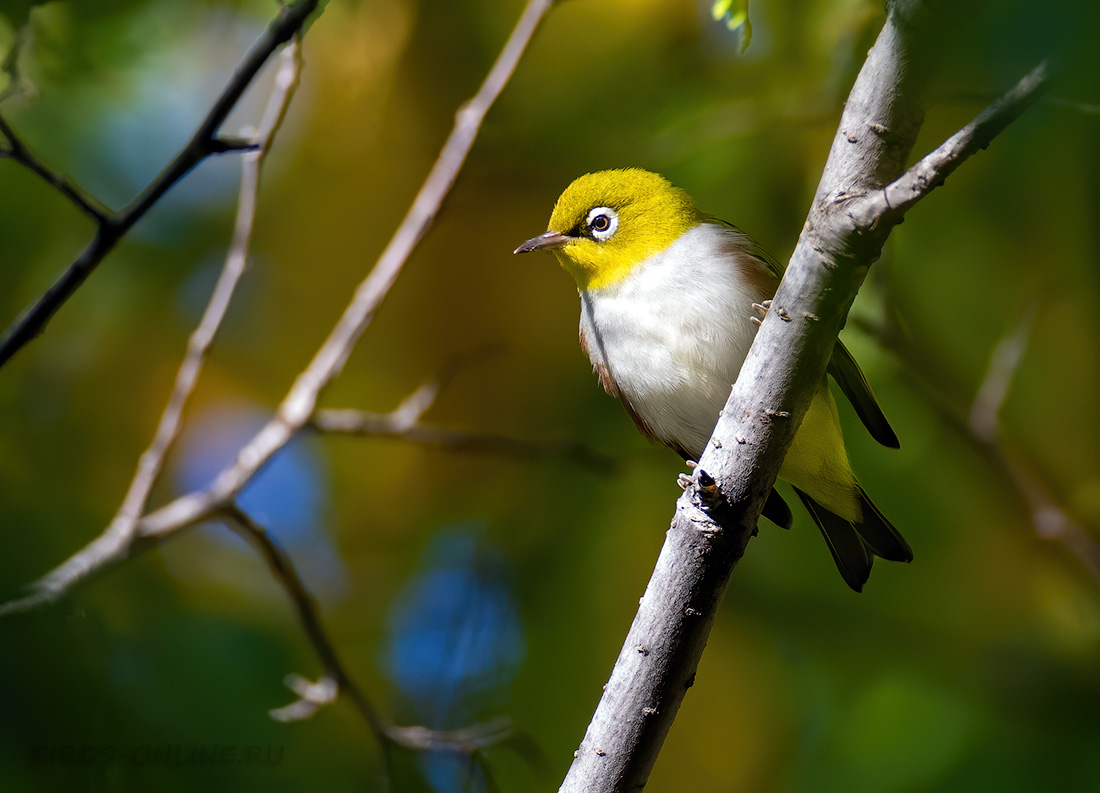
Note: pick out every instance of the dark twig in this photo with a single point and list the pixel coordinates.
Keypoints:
(17, 151)
(404, 423)
(380, 425)
(336, 680)
(112, 226)
(285, 573)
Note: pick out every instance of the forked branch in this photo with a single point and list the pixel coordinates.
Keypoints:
(299, 406)
(112, 226)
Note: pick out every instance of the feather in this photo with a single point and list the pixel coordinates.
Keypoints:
(855, 544)
(847, 374)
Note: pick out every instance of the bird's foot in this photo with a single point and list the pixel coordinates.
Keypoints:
(685, 480)
(708, 488)
(761, 310)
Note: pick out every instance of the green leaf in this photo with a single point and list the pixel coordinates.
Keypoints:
(738, 18)
(721, 8)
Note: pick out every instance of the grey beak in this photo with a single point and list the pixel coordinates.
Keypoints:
(551, 239)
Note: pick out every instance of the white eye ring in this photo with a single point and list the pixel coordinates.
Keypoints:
(602, 223)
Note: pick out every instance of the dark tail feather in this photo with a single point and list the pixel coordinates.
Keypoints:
(777, 511)
(880, 535)
(853, 545)
(846, 372)
(850, 552)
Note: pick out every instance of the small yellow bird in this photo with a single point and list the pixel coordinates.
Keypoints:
(667, 316)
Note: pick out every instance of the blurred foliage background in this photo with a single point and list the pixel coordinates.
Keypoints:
(460, 587)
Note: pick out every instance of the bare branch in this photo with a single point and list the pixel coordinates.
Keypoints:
(336, 680)
(401, 419)
(716, 516)
(404, 423)
(985, 413)
(115, 541)
(933, 169)
(297, 408)
(201, 340)
(311, 698)
(980, 425)
(383, 425)
(112, 226)
(17, 151)
(285, 573)
(1050, 520)
(465, 740)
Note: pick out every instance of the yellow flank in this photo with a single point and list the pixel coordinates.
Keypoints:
(817, 463)
(652, 215)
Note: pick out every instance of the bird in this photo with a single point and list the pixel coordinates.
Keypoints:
(671, 298)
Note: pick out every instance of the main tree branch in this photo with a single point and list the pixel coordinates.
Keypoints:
(717, 515)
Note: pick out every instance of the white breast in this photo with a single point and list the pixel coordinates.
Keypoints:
(673, 334)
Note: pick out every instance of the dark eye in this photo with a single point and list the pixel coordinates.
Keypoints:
(602, 223)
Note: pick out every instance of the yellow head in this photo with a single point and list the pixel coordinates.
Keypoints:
(607, 222)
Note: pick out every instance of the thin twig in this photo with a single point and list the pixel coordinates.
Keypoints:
(381, 425)
(115, 541)
(931, 171)
(1050, 518)
(112, 226)
(297, 408)
(285, 573)
(336, 680)
(985, 414)
(198, 346)
(17, 151)
(404, 423)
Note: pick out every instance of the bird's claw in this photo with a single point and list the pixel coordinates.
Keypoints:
(708, 488)
(761, 310)
(685, 480)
